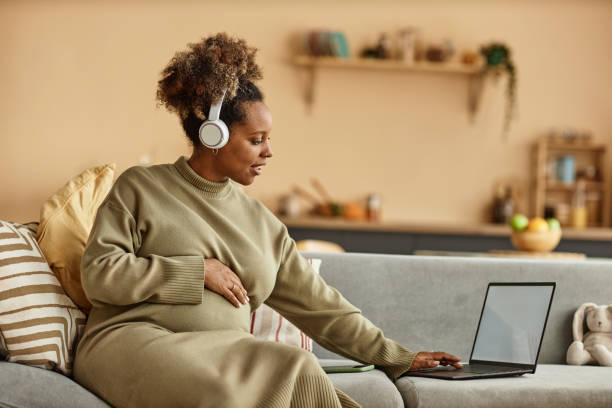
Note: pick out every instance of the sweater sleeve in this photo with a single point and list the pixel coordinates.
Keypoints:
(112, 273)
(319, 310)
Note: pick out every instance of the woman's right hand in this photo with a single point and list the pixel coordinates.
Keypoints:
(431, 359)
(222, 280)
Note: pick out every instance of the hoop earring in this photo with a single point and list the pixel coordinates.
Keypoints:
(215, 151)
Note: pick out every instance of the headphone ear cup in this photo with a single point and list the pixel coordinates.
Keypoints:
(214, 134)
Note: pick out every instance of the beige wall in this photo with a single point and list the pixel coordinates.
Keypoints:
(78, 83)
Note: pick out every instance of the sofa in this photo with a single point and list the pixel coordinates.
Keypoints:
(424, 303)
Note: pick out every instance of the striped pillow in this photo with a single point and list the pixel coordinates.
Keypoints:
(39, 323)
(3, 349)
(267, 324)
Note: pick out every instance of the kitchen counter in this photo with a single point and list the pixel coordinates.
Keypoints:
(495, 230)
(402, 237)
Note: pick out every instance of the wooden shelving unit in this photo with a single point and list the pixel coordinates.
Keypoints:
(547, 190)
(312, 64)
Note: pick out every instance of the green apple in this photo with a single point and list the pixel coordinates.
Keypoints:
(519, 222)
(553, 223)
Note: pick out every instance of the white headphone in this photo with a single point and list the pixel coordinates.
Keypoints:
(214, 133)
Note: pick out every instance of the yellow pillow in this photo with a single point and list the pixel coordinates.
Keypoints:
(66, 219)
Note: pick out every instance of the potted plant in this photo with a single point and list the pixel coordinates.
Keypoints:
(498, 60)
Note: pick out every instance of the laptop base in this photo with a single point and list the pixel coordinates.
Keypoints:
(468, 372)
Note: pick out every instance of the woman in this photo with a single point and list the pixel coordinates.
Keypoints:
(179, 256)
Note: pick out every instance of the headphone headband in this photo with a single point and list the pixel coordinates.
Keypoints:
(215, 108)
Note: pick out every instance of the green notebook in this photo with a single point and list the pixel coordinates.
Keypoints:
(348, 368)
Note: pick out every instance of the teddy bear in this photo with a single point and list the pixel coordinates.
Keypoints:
(596, 345)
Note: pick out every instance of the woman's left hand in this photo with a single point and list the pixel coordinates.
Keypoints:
(431, 359)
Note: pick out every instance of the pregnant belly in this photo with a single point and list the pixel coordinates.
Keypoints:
(214, 313)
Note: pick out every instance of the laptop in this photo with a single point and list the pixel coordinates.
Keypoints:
(509, 334)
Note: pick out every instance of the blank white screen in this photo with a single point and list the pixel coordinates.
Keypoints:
(512, 322)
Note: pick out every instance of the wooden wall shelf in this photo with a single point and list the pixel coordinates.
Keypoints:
(473, 73)
(575, 147)
(590, 185)
(371, 63)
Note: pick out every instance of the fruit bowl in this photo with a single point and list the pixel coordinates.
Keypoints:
(536, 241)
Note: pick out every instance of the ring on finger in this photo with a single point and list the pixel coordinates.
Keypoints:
(233, 287)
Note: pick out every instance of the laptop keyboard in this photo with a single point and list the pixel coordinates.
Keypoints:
(486, 369)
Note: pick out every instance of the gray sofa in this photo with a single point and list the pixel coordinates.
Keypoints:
(425, 303)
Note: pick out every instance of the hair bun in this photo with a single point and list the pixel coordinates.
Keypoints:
(195, 78)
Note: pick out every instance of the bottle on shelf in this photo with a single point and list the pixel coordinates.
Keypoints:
(508, 205)
(373, 207)
(593, 204)
(578, 215)
(566, 169)
(549, 210)
(562, 213)
(503, 205)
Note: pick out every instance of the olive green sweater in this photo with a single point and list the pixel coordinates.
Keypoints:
(144, 262)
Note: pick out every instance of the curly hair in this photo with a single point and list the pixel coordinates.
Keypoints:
(195, 78)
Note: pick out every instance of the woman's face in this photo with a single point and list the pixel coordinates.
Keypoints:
(248, 148)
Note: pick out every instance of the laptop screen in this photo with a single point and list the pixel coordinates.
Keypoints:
(512, 323)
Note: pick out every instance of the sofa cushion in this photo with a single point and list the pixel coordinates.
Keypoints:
(268, 324)
(30, 387)
(66, 219)
(39, 324)
(553, 385)
(4, 353)
(370, 388)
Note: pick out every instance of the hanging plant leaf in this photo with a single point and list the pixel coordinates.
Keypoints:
(499, 61)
